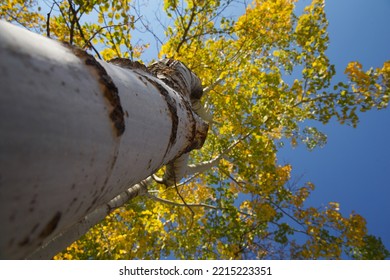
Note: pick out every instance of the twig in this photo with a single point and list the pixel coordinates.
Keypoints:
(268, 200)
(186, 29)
(201, 205)
(185, 203)
(48, 21)
(81, 30)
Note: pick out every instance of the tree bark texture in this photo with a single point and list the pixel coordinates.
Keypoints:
(76, 132)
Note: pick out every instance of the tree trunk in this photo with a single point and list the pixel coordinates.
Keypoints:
(76, 132)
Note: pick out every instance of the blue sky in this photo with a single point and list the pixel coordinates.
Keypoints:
(354, 167)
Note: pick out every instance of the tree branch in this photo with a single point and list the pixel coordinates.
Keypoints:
(186, 29)
(202, 205)
(48, 21)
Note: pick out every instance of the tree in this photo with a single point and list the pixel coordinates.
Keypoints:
(239, 202)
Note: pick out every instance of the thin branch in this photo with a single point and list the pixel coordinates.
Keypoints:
(179, 165)
(201, 205)
(269, 201)
(185, 203)
(111, 38)
(48, 21)
(213, 85)
(285, 212)
(146, 26)
(88, 42)
(81, 30)
(72, 20)
(187, 28)
(63, 15)
(315, 99)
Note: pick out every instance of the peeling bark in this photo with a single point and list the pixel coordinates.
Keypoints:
(177, 75)
(109, 88)
(129, 64)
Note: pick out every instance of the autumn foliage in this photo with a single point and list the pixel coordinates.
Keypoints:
(265, 72)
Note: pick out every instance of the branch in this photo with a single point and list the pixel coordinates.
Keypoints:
(81, 30)
(88, 42)
(175, 170)
(269, 201)
(48, 21)
(187, 28)
(203, 166)
(201, 111)
(213, 85)
(185, 204)
(180, 168)
(202, 205)
(72, 21)
(137, 10)
(62, 13)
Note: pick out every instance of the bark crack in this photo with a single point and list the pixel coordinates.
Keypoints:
(171, 103)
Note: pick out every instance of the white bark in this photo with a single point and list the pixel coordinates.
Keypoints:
(75, 133)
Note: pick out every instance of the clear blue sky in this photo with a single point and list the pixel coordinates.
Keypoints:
(354, 167)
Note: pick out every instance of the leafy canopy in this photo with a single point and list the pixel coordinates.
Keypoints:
(265, 72)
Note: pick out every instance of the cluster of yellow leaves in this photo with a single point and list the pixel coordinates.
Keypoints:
(238, 209)
(265, 22)
(25, 13)
(372, 87)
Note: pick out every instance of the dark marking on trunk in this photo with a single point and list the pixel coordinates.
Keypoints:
(78, 207)
(142, 80)
(181, 79)
(33, 200)
(171, 103)
(51, 225)
(110, 89)
(34, 228)
(165, 74)
(129, 64)
(73, 202)
(24, 242)
(92, 205)
(193, 128)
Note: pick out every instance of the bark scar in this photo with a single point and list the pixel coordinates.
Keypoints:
(51, 225)
(171, 103)
(110, 89)
(129, 64)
